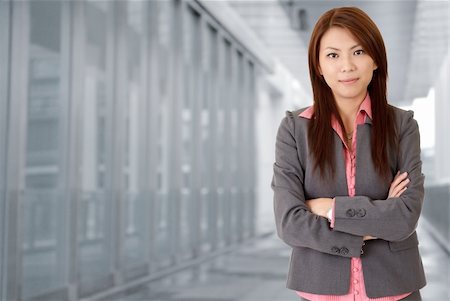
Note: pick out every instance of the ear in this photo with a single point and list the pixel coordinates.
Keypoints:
(320, 70)
(375, 67)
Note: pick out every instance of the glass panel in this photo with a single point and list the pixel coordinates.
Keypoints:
(208, 140)
(233, 151)
(251, 217)
(43, 220)
(136, 211)
(246, 147)
(192, 53)
(240, 129)
(225, 145)
(162, 62)
(96, 199)
(249, 149)
(4, 82)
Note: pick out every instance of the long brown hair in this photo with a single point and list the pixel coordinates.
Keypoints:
(383, 126)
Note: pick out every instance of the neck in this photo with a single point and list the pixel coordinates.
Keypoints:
(348, 109)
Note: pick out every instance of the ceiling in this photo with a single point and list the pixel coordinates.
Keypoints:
(416, 35)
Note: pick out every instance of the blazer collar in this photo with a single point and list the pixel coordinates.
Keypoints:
(366, 107)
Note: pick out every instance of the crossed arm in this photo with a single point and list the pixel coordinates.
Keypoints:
(321, 206)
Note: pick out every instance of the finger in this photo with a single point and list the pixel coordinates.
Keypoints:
(402, 184)
(399, 193)
(398, 179)
(395, 193)
(394, 186)
(395, 190)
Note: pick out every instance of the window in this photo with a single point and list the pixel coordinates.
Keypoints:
(43, 207)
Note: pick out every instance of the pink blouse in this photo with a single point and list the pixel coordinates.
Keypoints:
(357, 290)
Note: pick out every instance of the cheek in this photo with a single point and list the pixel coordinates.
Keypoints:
(328, 80)
(330, 69)
(323, 67)
(369, 74)
(329, 72)
(324, 70)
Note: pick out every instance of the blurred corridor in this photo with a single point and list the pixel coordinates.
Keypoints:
(257, 272)
(137, 142)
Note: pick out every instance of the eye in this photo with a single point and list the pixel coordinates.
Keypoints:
(332, 55)
(359, 52)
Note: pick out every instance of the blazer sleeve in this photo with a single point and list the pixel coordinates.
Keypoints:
(393, 219)
(296, 225)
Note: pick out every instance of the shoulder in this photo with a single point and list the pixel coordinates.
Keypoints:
(401, 114)
(299, 112)
(404, 119)
(299, 116)
(294, 123)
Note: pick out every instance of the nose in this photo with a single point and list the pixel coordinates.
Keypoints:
(347, 64)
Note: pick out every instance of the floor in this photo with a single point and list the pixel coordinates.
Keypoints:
(257, 272)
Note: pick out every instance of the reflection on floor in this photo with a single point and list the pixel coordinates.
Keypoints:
(257, 272)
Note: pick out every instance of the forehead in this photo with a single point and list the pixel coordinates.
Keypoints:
(337, 37)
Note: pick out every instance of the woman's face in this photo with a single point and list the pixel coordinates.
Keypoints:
(344, 64)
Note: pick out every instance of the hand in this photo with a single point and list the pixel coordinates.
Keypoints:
(320, 206)
(398, 185)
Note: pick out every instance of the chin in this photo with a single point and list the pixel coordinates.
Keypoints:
(350, 95)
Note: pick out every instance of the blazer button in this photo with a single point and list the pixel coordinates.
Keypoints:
(335, 250)
(350, 212)
(361, 212)
(344, 251)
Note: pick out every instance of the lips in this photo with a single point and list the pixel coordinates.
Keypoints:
(348, 80)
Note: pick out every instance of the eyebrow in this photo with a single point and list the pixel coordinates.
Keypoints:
(332, 48)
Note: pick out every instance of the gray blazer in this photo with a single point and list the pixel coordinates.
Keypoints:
(321, 256)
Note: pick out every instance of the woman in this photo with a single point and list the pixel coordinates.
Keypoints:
(348, 185)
